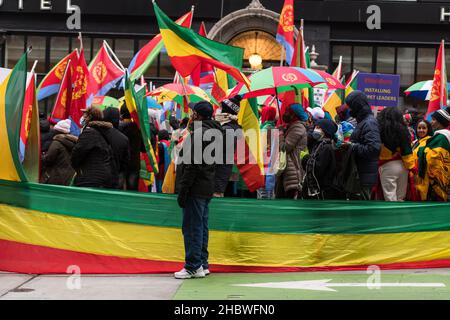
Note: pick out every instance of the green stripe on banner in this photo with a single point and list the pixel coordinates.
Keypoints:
(14, 97)
(232, 214)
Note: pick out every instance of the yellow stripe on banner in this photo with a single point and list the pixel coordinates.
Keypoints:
(178, 47)
(8, 170)
(226, 248)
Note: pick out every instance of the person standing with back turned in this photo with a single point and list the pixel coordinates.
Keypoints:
(195, 187)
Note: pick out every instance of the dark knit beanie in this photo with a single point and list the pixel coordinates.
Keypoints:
(232, 105)
(328, 126)
(204, 108)
(442, 116)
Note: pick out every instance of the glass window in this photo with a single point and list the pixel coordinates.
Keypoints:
(38, 52)
(2, 55)
(346, 53)
(14, 49)
(426, 63)
(386, 60)
(124, 50)
(165, 70)
(362, 58)
(59, 48)
(405, 65)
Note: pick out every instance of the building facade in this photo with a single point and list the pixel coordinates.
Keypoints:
(399, 37)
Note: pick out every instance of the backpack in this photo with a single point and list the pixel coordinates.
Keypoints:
(347, 177)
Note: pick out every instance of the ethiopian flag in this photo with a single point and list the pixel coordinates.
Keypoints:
(144, 58)
(250, 164)
(187, 50)
(12, 95)
(137, 106)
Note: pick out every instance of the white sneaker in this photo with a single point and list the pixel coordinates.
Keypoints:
(185, 274)
(206, 271)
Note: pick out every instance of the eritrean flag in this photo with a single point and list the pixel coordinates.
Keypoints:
(187, 50)
(80, 81)
(144, 58)
(61, 109)
(104, 73)
(285, 32)
(26, 114)
(250, 164)
(439, 94)
(137, 106)
(32, 159)
(12, 94)
(51, 82)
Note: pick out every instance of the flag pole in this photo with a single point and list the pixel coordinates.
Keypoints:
(34, 66)
(443, 75)
(80, 37)
(283, 53)
(113, 55)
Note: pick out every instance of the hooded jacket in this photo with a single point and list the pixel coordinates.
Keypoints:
(58, 168)
(197, 180)
(366, 140)
(93, 157)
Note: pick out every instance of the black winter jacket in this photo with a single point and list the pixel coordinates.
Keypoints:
(121, 149)
(224, 171)
(196, 180)
(93, 157)
(366, 141)
(132, 132)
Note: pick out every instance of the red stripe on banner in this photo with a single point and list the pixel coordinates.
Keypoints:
(25, 258)
(185, 64)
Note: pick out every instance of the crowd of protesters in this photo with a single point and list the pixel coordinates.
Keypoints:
(357, 156)
(392, 157)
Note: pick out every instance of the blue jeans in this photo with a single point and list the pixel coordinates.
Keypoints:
(195, 233)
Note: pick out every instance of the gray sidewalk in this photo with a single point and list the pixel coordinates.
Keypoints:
(109, 287)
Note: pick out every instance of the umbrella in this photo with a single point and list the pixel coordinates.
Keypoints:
(275, 80)
(176, 92)
(331, 81)
(421, 90)
(103, 102)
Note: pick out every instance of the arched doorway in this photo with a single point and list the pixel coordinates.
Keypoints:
(261, 49)
(252, 28)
